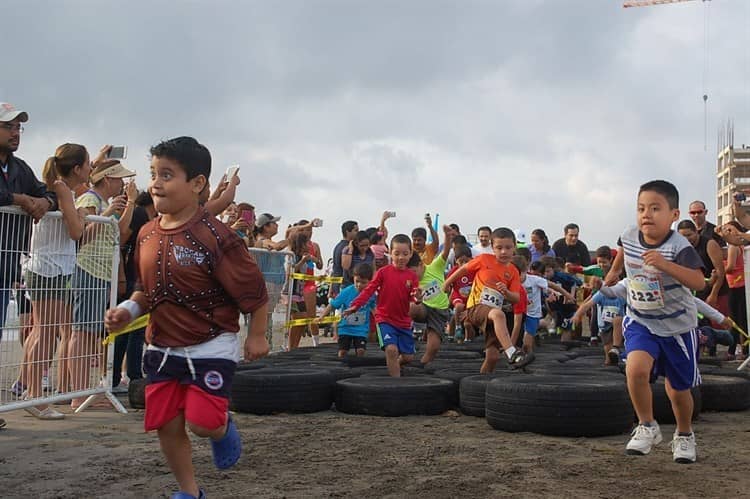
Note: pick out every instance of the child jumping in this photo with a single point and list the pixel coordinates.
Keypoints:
(195, 277)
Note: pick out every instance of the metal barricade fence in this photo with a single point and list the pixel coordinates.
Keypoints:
(276, 267)
(53, 296)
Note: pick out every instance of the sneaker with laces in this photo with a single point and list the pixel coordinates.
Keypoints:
(643, 439)
(520, 359)
(614, 355)
(683, 448)
(18, 388)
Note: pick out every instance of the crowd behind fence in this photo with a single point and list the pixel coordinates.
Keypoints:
(53, 297)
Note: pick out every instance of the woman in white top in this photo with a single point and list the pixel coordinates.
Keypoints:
(49, 269)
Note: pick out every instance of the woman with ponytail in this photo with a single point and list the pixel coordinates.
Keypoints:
(48, 273)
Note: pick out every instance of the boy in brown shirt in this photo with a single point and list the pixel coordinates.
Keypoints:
(195, 277)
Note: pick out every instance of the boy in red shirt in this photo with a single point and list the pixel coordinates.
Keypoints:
(495, 281)
(460, 295)
(397, 286)
(195, 277)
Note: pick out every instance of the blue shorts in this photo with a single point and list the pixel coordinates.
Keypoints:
(675, 357)
(392, 335)
(530, 325)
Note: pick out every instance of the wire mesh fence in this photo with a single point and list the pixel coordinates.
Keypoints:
(53, 295)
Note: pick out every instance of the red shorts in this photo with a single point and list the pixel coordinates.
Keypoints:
(166, 399)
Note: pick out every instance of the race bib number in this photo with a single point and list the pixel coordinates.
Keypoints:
(646, 292)
(431, 292)
(358, 318)
(491, 297)
(609, 314)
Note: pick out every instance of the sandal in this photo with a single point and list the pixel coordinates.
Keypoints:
(185, 495)
(227, 451)
(46, 414)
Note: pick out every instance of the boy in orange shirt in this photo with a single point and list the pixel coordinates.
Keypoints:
(496, 280)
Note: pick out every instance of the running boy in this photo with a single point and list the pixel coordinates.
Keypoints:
(459, 294)
(397, 287)
(353, 329)
(195, 277)
(660, 322)
(495, 280)
(434, 309)
(535, 287)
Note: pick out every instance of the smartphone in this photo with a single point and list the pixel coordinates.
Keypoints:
(249, 217)
(391, 214)
(740, 196)
(317, 222)
(118, 152)
(232, 172)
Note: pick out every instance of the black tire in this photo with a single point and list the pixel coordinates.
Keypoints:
(251, 366)
(457, 355)
(550, 405)
(472, 391)
(137, 393)
(272, 390)
(724, 393)
(367, 360)
(386, 396)
(663, 407)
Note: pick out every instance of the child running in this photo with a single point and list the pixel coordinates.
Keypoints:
(535, 287)
(495, 281)
(353, 329)
(434, 309)
(195, 277)
(460, 291)
(397, 286)
(661, 319)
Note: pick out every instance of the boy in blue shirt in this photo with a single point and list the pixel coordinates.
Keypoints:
(609, 315)
(353, 329)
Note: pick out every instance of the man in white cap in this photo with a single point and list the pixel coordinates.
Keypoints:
(20, 187)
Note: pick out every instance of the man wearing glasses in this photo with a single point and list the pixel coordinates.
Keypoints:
(698, 212)
(18, 186)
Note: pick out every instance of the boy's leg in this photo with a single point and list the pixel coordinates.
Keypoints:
(175, 444)
(392, 361)
(433, 345)
(682, 406)
(500, 328)
(360, 345)
(528, 343)
(344, 343)
(638, 371)
(491, 356)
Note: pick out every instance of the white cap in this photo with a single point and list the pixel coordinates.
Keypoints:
(9, 113)
(520, 235)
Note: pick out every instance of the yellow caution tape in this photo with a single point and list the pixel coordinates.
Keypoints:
(318, 278)
(139, 323)
(304, 322)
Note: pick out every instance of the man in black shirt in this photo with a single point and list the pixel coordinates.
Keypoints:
(697, 211)
(570, 248)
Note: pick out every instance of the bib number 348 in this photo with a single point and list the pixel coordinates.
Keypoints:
(491, 297)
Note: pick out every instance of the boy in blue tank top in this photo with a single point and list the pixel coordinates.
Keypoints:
(660, 325)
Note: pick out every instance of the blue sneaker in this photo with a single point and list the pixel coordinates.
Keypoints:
(228, 450)
(185, 495)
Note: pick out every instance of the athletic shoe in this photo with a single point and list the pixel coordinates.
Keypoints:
(459, 336)
(644, 437)
(46, 414)
(594, 341)
(18, 388)
(185, 495)
(614, 356)
(683, 448)
(520, 359)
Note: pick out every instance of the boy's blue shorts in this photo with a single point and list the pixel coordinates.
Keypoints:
(530, 325)
(392, 335)
(675, 357)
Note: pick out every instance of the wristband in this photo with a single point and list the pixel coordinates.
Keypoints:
(132, 307)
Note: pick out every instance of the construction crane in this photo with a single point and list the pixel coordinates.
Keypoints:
(646, 3)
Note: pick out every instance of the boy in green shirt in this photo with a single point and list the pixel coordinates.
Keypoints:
(434, 307)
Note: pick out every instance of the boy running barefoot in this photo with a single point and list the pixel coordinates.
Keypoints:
(195, 277)
(495, 281)
(397, 287)
(353, 330)
(660, 323)
(434, 309)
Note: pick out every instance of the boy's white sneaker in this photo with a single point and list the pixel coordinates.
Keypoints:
(643, 439)
(683, 448)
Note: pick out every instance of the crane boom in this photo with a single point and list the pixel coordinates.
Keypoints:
(646, 3)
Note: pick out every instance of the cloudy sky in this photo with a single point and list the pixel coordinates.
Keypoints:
(519, 113)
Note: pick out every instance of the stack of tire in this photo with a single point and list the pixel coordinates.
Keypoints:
(566, 391)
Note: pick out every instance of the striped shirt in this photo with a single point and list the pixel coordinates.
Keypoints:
(657, 300)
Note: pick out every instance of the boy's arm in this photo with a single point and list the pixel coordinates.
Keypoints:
(365, 294)
(454, 276)
(256, 345)
(556, 287)
(715, 254)
(618, 264)
(325, 312)
(517, 321)
(707, 310)
(585, 307)
(692, 278)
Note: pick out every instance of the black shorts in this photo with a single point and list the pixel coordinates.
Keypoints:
(347, 342)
